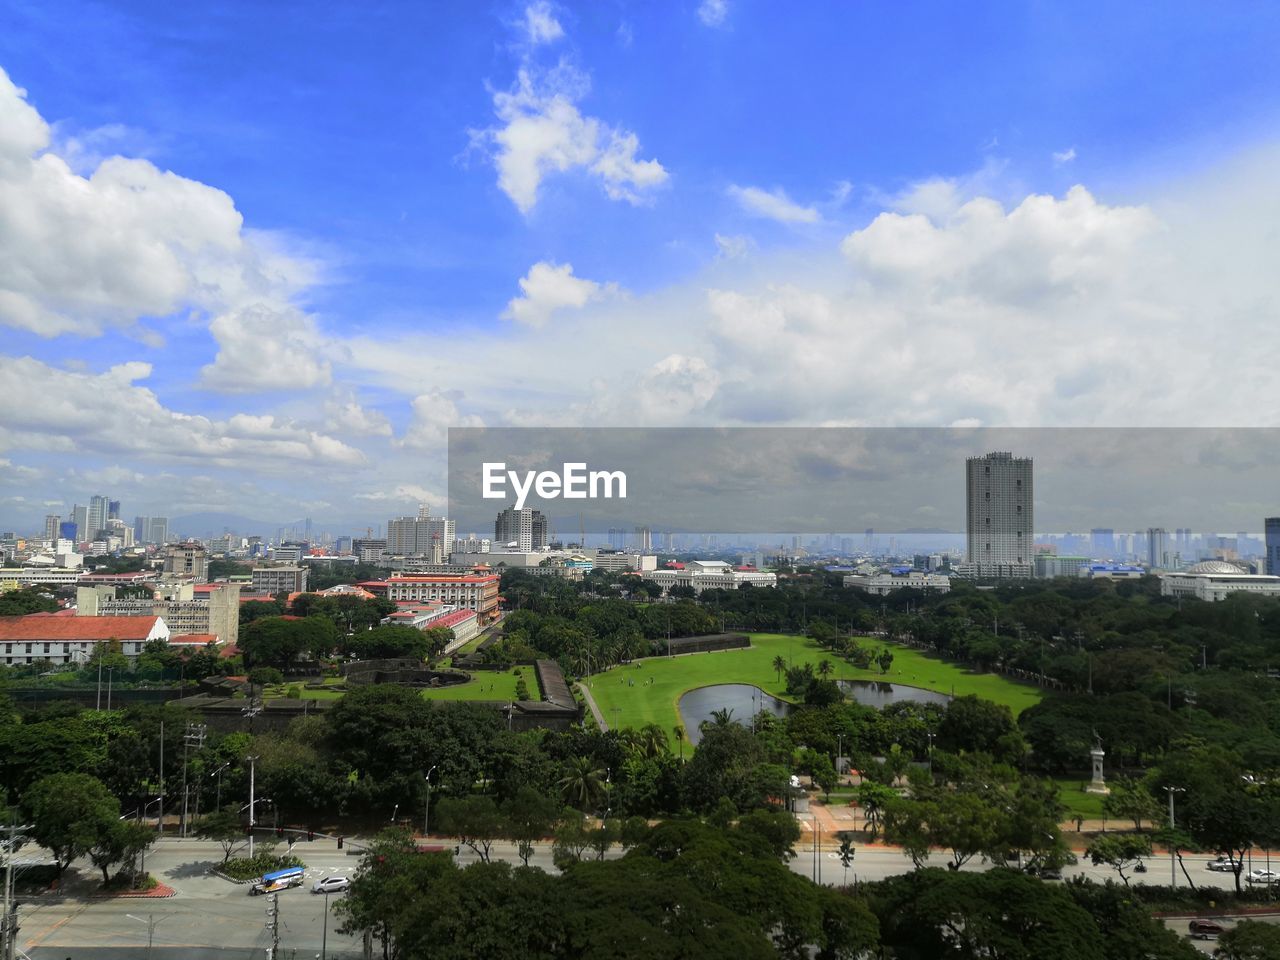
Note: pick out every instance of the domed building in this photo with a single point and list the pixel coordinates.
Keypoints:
(1214, 580)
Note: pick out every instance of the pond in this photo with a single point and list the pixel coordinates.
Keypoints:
(745, 700)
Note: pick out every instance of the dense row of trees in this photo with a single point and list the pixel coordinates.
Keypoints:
(721, 888)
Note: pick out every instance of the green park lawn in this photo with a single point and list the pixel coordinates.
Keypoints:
(1077, 802)
(627, 704)
(488, 685)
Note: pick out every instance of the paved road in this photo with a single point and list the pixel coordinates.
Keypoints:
(208, 911)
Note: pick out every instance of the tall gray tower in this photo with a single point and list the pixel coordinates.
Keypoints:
(1000, 521)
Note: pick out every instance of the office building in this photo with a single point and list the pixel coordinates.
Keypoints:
(80, 517)
(420, 536)
(899, 578)
(96, 519)
(187, 608)
(1048, 565)
(67, 530)
(1159, 557)
(52, 524)
(999, 516)
(150, 529)
(1271, 537)
(368, 549)
(283, 579)
(1102, 542)
(525, 528)
(187, 560)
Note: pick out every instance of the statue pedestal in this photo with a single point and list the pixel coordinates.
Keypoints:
(1099, 783)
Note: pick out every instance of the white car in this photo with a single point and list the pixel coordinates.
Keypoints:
(1262, 876)
(1222, 865)
(331, 885)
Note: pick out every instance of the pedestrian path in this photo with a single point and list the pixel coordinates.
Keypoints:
(595, 711)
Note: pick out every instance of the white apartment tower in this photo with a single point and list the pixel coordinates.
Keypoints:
(1000, 521)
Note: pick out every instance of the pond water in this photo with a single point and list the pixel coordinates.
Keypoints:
(745, 700)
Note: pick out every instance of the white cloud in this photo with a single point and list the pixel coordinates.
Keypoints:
(547, 288)
(266, 346)
(542, 131)
(540, 23)
(732, 247)
(713, 13)
(402, 493)
(434, 412)
(773, 205)
(1064, 156)
(110, 414)
(345, 413)
(84, 254)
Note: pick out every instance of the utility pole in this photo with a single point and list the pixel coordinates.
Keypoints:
(193, 737)
(160, 816)
(9, 919)
(1173, 846)
(426, 812)
(273, 924)
(252, 821)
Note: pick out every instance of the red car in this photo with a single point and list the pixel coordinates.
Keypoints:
(1205, 929)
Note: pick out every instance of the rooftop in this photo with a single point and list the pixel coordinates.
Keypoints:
(40, 628)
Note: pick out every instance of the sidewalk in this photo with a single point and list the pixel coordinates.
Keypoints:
(591, 705)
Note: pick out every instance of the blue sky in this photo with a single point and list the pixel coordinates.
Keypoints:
(309, 226)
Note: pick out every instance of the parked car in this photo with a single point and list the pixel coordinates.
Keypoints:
(1205, 929)
(330, 885)
(1262, 876)
(1223, 864)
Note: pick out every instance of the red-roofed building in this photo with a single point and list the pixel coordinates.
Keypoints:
(475, 593)
(196, 640)
(64, 639)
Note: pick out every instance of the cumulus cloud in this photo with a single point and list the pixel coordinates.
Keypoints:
(542, 131)
(110, 413)
(1064, 156)
(540, 23)
(345, 413)
(547, 288)
(401, 493)
(713, 13)
(773, 205)
(81, 254)
(266, 346)
(434, 412)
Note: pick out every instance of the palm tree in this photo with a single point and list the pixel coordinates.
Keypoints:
(722, 717)
(678, 730)
(651, 741)
(582, 783)
(779, 664)
(825, 668)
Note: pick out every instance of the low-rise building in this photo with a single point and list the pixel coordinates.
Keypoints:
(1214, 580)
(187, 609)
(711, 575)
(478, 593)
(883, 583)
(283, 579)
(60, 639)
(1112, 571)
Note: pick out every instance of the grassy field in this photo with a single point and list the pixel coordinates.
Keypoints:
(1079, 803)
(488, 685)
(659, 682)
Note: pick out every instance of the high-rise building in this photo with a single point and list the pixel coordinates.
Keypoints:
(99, 509)
(150, 529)
(1102, 542)
(999, 498)
(187, 559)
(113, 509)
(421, 536)
(1158, 555)
(51, 524)
(1271, 535)
(67, 530)
(644, 539)
(80, 517)
(526, 528)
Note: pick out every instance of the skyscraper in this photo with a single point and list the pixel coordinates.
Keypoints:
(96, 520)
(1272, 534)
(999, 514)
(1158, 556)
(1102, 542)
(423, 535)
(526, 528)
(51, 523)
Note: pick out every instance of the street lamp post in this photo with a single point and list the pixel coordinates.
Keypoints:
(252, 821)
(426, 807)
(1173, 846)
(151, 923)
(111, 672)
(218, 773)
